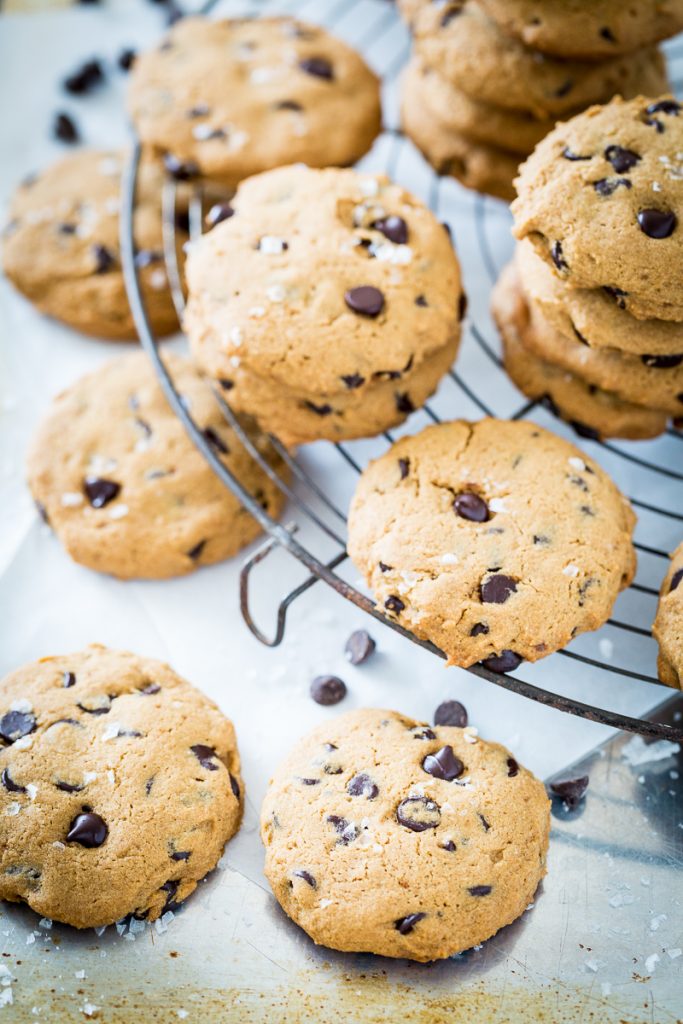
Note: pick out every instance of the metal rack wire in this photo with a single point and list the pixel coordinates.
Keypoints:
(322, 515)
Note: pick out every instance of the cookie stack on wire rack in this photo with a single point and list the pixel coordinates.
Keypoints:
(488, 79)
(591, 309)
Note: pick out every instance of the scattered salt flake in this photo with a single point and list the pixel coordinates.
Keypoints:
(5, 974)
(100, 930)
(32, 790)
(235, 361)
(70, 499)
(109, 166)
(275, 293)
(235, 336)
(448, 558)
(645, 880)
(136, 925)
(24, 706)
(570, 570)
(89, 777)
(23, 743)
(159, 926)
(621, 899)
(576, 463)
(167, 917)
(129, 937)
(656, 921)
(369, 186)
(673, 774)
(119, 511)
(6, 997)
(497, 505)
(112, 730)
(89, 1009)
(470, 734)
(673, 954)
(120, 927)
(594, 965)
(606, 647)
(256, 312)
(30, 938)
(637, 751)
(606, 988)
(12, 809)
(182, 1014)
(79, 974)
(58, 845)
(651, 963)
(45, 922)
(530, 906)
(272, 245)
(325, 903)
(157, 279)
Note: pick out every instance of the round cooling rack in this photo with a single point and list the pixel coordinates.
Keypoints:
(323, 475)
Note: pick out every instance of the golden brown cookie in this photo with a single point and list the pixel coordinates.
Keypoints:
(61, 247)
(388, 836)
(233, 98)
(668, 625)
(124, 488)
(120, 785)
(496, 540)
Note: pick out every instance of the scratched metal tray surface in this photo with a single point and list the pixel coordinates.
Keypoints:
(603, 940)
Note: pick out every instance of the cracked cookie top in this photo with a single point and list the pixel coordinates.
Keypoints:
(496, 540)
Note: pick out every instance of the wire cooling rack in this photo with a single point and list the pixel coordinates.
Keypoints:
(477, 386)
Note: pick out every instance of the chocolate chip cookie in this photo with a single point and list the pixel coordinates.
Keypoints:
(668, 625)
(124, 488)
(227, 99)
(119, 786)
(481, 60)
(497, 541)
(592, 411)
(389, 836)
(328, 305)
(61, 245)
(586, 29)
(599, 200)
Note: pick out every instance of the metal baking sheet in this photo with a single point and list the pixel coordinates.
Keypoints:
(611, 902)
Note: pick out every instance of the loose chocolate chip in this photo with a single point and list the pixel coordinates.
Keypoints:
(664, 107)
(319, 67)
(307, 877)
(479, 629)
(150, 688)
(362, 785)
(418, 813)
(662, 362)
(469, 505)
(570, 791)
(359, 647)
(99, 491)
(449, 846)
(218, 213)
(104, 259)
(394, 604)
(126, 59)
(451, 712)
(394, 228)
(675, 580)
(215, 440)
(462, 306)
(621, 159)
(365, 299)
(423, 732)
(557, 256)
(405, 925)
(497, 589)
(657, 223)
(353, 380)
(506, 661)
(484, 823)
(513, 767)
(319, 410)
(287, 105)
(9, 783)
(606, 186)
(479, 890)
(181, 854)
(68, 679)
(89, 830)
(16, 724)
(68, 787)
(383, 567)
(206, 756)
(85, 78)
(569, 155)
(64, 129)
(346, 829)
(421, 301)
(404, 467)
(328, 690)
(180, 170)
(443, 764)
(404, 403)
(196, 551)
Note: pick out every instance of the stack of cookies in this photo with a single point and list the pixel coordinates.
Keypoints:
(488, 80)
(591, 309)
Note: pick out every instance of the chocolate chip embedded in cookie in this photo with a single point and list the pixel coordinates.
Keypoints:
(599, 200)
(113, 814)
(61, 247)
(423, 843)
(556, 536)
(126, 491)
(330, 300)
(668, 625)
(242, 96)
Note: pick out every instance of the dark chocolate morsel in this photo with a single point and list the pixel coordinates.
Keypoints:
(181, 854)
(404, 403)
(215, 440)
(362, 785)
(607, 186)
(479, 890)
(557, 256)
(452, 713)
(497, 589)
(394, 604)
(462, 306)
(449, 846)
(675, 580)
(234, 786)
(383, 567)
(506, 661)
(309, 782)
(512, 767)
(328, 690)
(319, 67)
(180, 170)
(306, 877)
(16, 724)
(365, 299)
(150, 689)
(657, 223)
(69, 787)
(126, 59)
(64, 128)
(423, 732)
(405, 925)
(196, 551)
(443, 764)
(88, 829)
(569, 155)
(404, 467)
(206, 756)
(359, 647)
(319, 410)
(418, 813)
(85, 78)
(287, 105)
(104, 259)
(9, 784)
(218, 213)
(479, 629)
(100, 491)
(353, 380)
(469, 505)
(565, 88)
(394, 228)
(622, 160)
(662, 362)
(68, 679)
(484, 822)
(170, 888)
(346, 829)
(570, 791)
(671, 107)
